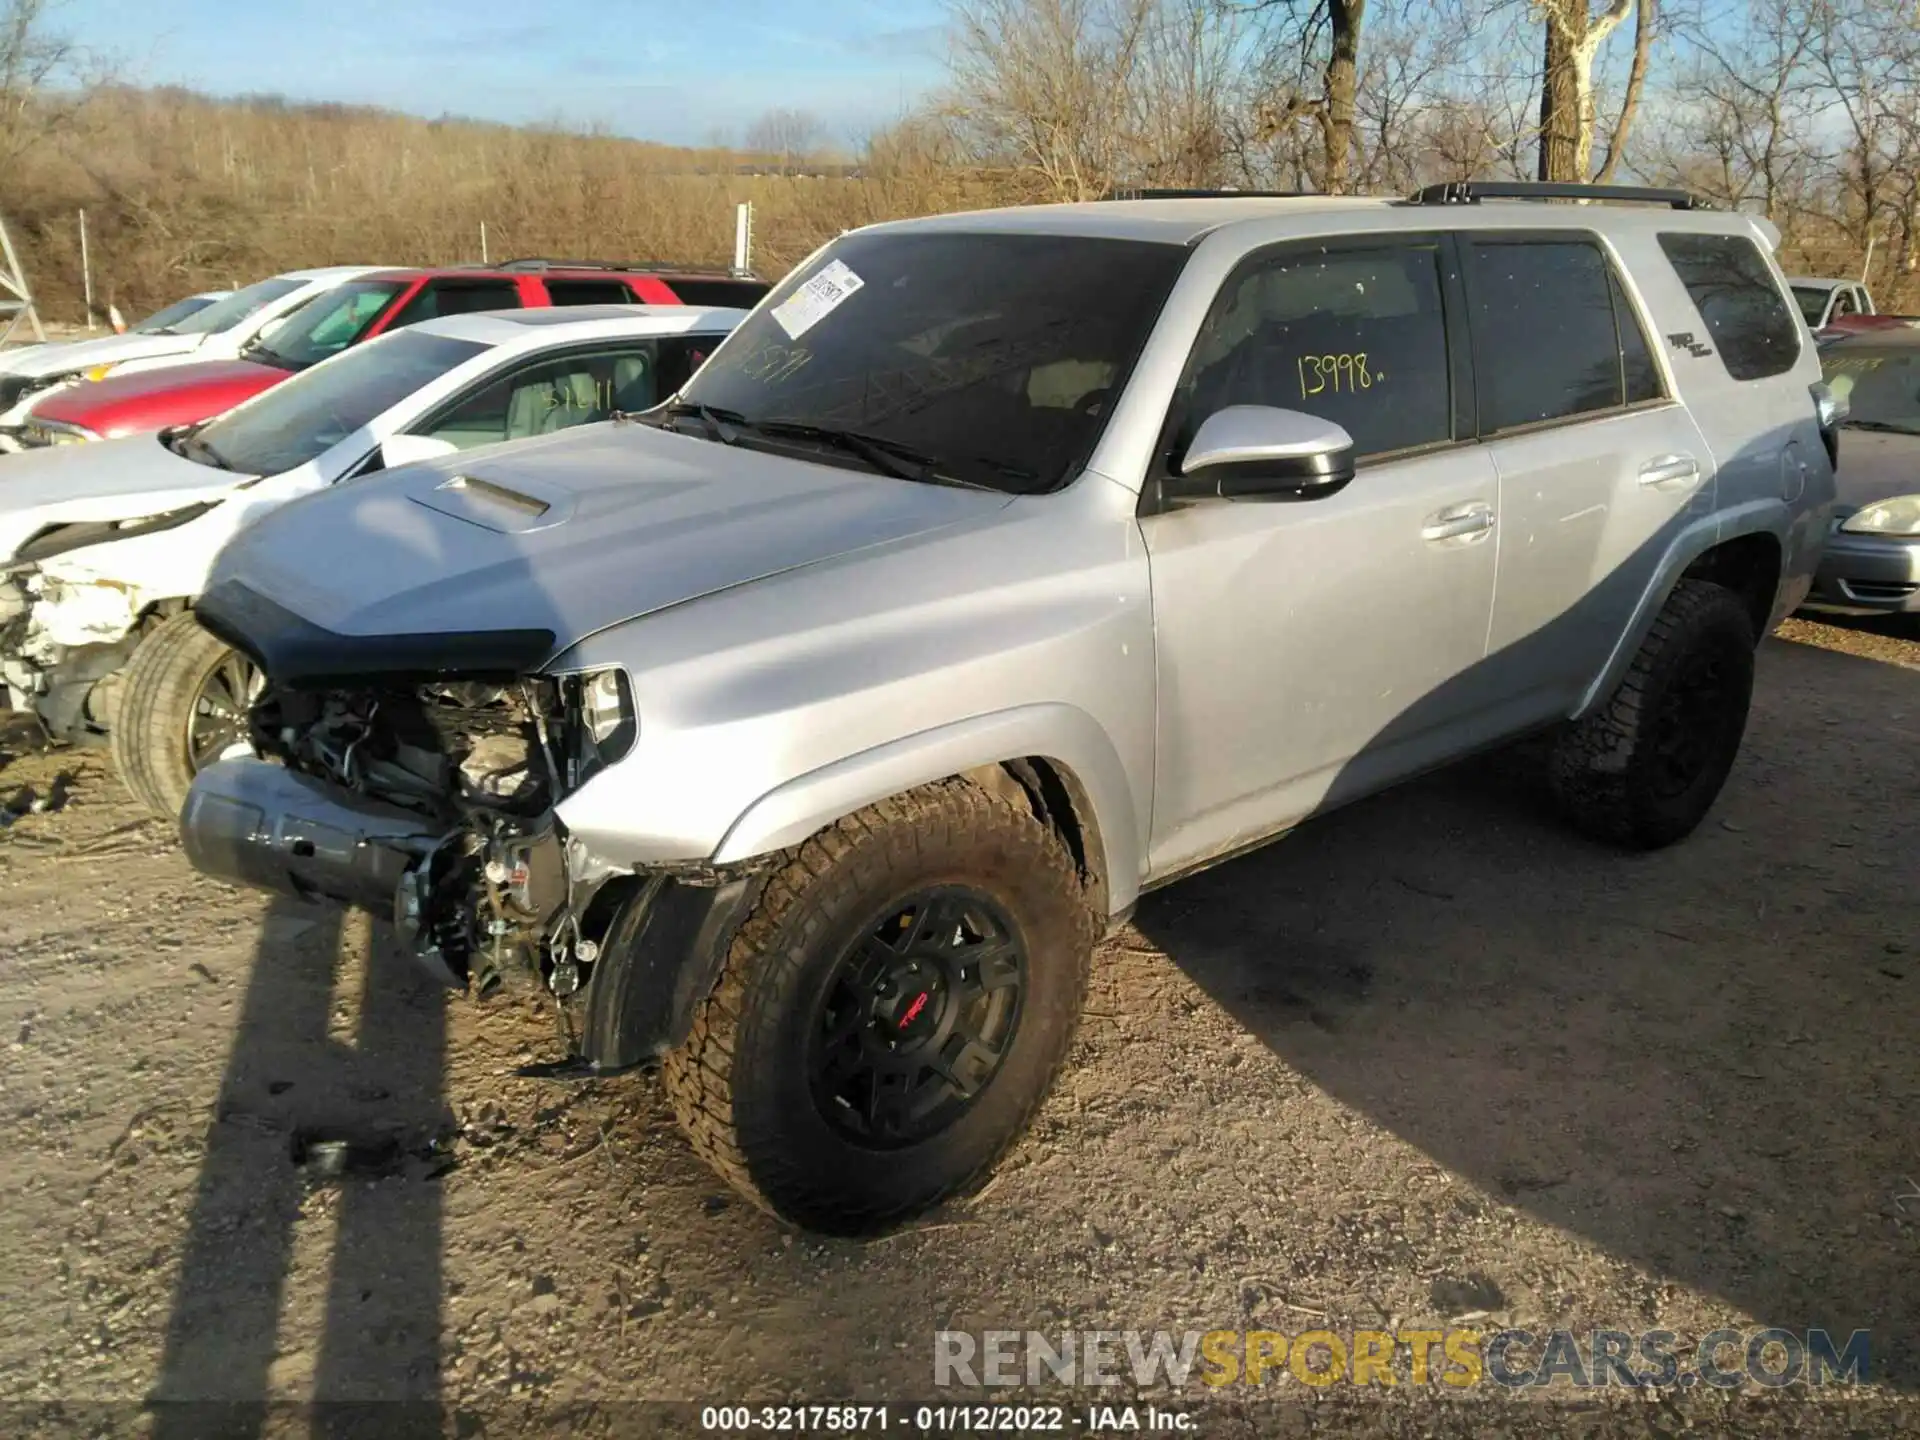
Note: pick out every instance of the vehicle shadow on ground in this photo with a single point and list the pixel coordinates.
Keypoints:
(1699, 1060)
(317, 1125)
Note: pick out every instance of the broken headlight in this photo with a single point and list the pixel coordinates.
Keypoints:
(606, 713)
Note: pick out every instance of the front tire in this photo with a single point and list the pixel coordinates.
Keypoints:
(183, 705)
(892, 1011)
(1642, 769)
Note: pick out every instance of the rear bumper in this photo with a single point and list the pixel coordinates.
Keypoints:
(1868, 575)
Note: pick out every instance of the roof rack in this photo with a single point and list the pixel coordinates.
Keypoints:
(1137, 193)
(1472, 192)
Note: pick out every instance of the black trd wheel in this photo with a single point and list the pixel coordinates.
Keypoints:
(1644, 767)
(892, 1011)
(183, 706)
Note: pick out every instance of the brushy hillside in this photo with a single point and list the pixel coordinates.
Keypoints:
(185, 193)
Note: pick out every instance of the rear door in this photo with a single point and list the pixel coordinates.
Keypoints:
(1598, 466)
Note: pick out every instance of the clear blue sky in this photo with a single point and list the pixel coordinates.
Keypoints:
(673, 70)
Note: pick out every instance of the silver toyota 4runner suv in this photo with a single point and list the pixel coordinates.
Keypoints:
(806, 732)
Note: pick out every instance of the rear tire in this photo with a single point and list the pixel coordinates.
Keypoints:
(183, 690)
(1644, 767)
(892, 1011)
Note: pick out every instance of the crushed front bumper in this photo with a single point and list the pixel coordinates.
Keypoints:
(657, 948)
(52, 660)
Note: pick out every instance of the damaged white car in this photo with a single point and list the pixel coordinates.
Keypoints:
(104, 547)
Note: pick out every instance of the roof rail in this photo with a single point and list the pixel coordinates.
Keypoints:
(1137, 193)
(672, 267)
(1472, 192)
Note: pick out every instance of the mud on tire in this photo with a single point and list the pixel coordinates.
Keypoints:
(826, 975)
(1643, 768)
(163, 683)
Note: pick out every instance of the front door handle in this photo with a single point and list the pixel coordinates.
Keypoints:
(1456, 522)
(1669, 470)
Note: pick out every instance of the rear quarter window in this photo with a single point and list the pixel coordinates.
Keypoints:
(1734, 291)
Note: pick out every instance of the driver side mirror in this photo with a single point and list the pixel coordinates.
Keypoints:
(1256, 452)
(405, 449)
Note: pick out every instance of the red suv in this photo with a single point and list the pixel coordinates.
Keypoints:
(359, 310)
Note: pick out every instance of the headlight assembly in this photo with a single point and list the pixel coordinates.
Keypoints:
(606, 714)
(100, 372)
(1899, 516)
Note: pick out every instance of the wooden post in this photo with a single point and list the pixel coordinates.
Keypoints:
(86, 270)
(743, 238)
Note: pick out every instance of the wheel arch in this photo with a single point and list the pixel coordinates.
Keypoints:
(1053, 759)
(1742, 549)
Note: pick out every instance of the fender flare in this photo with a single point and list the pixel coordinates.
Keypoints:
(1063, 734)
(1757, 517)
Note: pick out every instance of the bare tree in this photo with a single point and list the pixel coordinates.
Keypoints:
(1573, 37)
(791, 137)
(1313, 63)
(1043, 86)
(41, 83)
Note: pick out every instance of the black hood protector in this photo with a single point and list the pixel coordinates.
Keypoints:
(299, 655)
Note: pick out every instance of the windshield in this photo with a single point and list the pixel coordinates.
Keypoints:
(325, 325)
(1812, 301)
(1881, 387)
(994, 356)
(227, 313)
(295, 421)
(163, 322)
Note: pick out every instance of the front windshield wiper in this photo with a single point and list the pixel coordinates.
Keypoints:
(188, 445)
(717, 423)
(1890, 427)
(260, 354)
(890, 457)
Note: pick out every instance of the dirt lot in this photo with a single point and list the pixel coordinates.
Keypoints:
(1427, 1057)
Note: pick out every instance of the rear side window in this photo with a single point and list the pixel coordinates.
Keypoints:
(1353, 336)
(1734, 292)
(738, 294)
(441, 297)
(1553, 336)
(588, 292)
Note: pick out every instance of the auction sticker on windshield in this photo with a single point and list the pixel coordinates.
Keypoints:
(818, 298)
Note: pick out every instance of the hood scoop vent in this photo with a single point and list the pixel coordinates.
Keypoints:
(508, 509)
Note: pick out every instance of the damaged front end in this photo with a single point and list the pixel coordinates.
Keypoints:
(431, 804)
(63, 644)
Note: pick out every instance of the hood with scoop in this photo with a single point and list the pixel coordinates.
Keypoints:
(497, 560)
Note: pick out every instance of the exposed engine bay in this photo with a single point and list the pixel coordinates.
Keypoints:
(482, 883)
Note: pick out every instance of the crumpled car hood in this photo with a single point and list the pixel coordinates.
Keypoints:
(102, 480)
(568, 534)
(57, 359)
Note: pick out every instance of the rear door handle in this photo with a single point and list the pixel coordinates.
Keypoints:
(1669, 470)
(1474, 517)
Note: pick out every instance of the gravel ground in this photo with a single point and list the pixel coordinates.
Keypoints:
(1429, 1057)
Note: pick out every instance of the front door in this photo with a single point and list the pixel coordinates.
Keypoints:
(1312, 650)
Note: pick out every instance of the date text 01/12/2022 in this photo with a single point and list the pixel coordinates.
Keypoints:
(946, 1419)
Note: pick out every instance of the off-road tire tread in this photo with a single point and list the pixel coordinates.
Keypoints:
(1595, 797)
(698, 1075)
(149, 747)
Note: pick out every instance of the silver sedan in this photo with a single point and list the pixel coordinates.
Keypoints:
(1872, 564)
